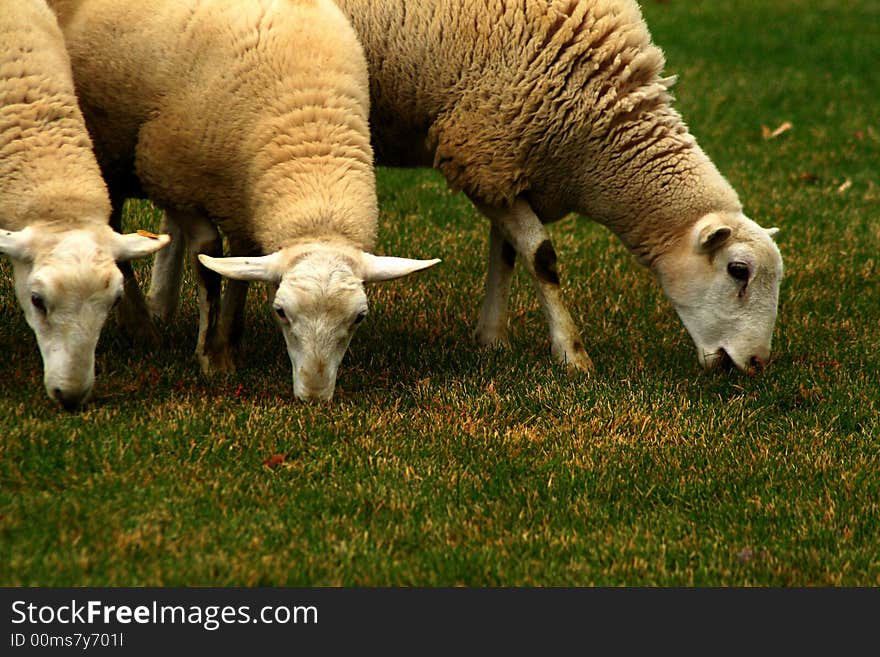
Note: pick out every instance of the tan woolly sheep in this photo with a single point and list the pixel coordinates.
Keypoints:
(54, 207)
(251, 117)
(539, 108)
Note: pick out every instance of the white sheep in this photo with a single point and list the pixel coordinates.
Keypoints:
(251, 117)
(54, 206)
(539, 108)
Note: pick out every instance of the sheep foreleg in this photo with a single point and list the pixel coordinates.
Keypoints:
(212, 348)
(492, 326)
(164, 294)
(519, 226)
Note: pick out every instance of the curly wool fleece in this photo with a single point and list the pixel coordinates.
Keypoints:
(561, 101)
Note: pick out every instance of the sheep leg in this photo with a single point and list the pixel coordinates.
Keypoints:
(132, 313)
(522, 228)
(164, 294)
(492, 325)
(235, 295)
(232, 312)
(201, 236)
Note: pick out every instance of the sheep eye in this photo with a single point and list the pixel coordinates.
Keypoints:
(738, 271)
(38, 303)
(359, 318)
(279, 311)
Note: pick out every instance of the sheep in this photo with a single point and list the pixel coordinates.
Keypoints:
(250, 118)
(54, 205)
(540, 108)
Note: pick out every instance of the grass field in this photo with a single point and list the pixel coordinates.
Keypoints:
(439, 464)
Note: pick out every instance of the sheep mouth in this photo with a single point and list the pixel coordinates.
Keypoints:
(720, 360)
(723, 361)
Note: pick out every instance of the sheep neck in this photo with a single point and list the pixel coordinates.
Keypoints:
(314, 201)
(655, 201)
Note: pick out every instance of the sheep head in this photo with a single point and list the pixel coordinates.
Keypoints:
(319, 302)
(66, 282)
(723, 279)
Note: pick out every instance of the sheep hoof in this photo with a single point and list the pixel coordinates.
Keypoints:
(218, 363)
(491, 339)
(159, 312)
(574, 360)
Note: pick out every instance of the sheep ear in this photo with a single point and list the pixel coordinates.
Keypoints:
(137, 245)
(386, 268)
(266, 268)
(773, 232)
(712, 237)
(16, 244)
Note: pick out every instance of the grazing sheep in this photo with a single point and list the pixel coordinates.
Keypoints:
(251, 117)
(54, 207)
(539, 108)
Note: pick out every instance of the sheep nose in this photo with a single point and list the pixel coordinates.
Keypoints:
(69, 400)
(311, 383)
(308, 391)
(314, 395)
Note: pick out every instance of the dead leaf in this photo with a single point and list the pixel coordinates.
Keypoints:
(845, 186)
(767, 133)
(275, 460)
(146, 233)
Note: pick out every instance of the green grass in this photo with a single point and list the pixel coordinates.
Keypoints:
(438, 464)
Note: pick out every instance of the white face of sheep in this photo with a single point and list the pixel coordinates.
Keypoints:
(319, 302)
(66, 283)
(723, 280)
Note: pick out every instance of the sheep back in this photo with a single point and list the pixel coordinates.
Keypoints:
(240, 110)
(45, 149)
(560, 99)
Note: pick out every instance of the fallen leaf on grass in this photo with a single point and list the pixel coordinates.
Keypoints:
(767, 133)
(747, 555)
(845, 186)
(275, 460)
(814, 394)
